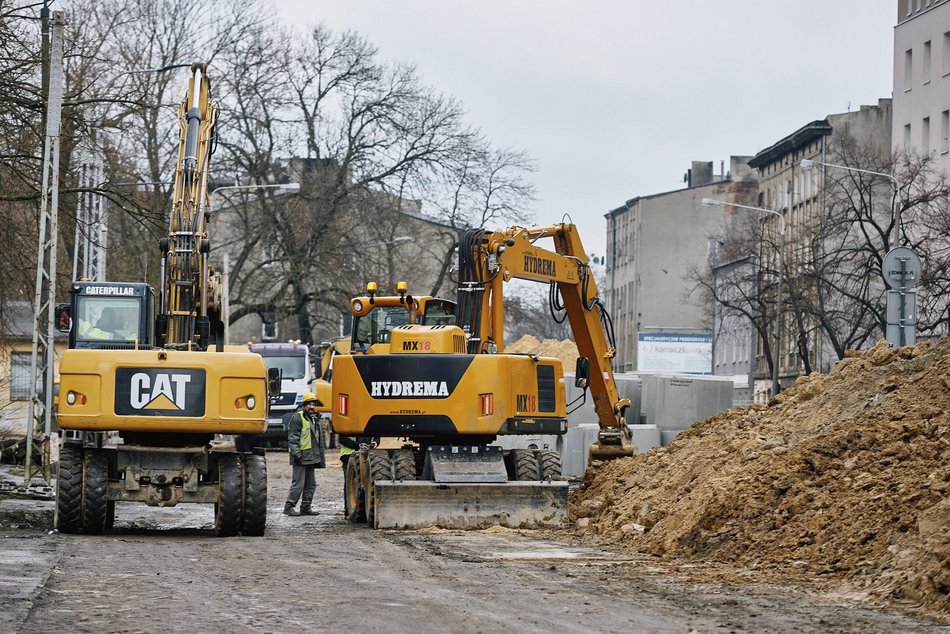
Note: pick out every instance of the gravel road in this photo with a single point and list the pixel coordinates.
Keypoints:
(161, 570)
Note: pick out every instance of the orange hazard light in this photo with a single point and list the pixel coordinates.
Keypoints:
(488, 404)
(343, 405)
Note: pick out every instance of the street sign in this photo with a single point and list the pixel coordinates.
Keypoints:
(894, 313)
(901, 268)
(894, 335)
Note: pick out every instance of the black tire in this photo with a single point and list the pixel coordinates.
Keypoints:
(227, 512)
(379, 469)
(549, 462)
(95, 482)
(404, 464)
(524, 464)
(354, 497)
(69, 490)
(255, 496)
(110, 514)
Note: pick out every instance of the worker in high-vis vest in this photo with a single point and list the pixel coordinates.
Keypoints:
(351, 444)
(305, 443)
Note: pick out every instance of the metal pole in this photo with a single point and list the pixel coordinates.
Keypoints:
(776, 387)
(226, 298)
(41, 358)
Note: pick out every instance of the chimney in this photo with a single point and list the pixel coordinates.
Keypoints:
(702, 173)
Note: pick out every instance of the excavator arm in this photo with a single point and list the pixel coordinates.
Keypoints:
(191, 290)
(489, 259)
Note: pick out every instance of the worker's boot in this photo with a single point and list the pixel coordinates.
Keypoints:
(306, 510)
(290, 510)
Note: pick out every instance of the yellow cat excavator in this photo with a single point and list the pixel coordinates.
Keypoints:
(448, 388)
(165, 386)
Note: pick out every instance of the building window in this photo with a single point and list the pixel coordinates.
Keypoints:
(945, 131)
(908, 69)
(926, 63)
(20, 376)
(946, 53)
(910, 6)
(907, 137)
(925, 136)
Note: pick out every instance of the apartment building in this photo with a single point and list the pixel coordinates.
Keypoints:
(921, 121)
(655, 243)
(797, 193)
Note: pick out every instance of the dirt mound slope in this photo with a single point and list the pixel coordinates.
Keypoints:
(565, 350)
(843, 478)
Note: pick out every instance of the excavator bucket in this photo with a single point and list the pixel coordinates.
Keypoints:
(602, 451)
(467, 505)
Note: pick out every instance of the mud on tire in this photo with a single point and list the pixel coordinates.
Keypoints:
(95, 482)
(379, 469)
(228, 514)
(523, 465)
(69, 490)
(549, 463)
(403, 464)
(353, 496)
(255, 496)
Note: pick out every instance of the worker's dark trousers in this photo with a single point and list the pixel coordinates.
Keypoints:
(304, 482)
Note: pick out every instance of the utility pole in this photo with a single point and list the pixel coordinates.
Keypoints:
(41, 361)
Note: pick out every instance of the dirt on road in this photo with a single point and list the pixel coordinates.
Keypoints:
(162, 570)
(840, 482)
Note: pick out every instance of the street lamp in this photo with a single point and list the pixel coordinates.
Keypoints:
(709, 202)
(290, 187)
(225, 282)
(809, 164)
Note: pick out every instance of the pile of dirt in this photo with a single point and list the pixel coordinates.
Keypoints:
(843, 479)
(565, 350)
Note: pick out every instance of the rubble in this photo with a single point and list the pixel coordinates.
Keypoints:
(841, 480)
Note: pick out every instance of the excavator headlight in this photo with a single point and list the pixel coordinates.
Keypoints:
(71, 398)
(251, 402)
(357, 306)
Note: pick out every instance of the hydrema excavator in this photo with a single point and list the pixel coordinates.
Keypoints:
(450, 390)
(162, 392)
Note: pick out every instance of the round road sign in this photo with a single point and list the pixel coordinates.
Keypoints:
(901, 268)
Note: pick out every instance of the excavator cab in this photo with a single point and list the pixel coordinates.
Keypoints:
(376, 317)
(107, 315)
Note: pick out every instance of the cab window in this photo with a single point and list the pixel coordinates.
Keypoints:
(377, 325)
(108, 318)
(439, 312)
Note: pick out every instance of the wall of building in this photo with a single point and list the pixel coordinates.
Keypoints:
(797, 193)
(653, 244)
(921, 121)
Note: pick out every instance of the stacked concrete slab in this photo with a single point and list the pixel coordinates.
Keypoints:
(661, 406)
(673, 402)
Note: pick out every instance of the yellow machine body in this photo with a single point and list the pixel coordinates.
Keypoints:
(425, 394)
(163, 391)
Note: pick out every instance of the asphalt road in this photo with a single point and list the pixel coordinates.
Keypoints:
(162, 570)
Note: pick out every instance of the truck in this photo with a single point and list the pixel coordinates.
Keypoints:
(295, 363)
(147, 380)
(447, 388)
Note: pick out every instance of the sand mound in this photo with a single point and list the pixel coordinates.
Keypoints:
(565, 350)
(843, 478)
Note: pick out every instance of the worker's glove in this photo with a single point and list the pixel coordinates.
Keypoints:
(295, 455)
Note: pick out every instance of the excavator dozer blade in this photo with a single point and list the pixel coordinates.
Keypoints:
(424, 503)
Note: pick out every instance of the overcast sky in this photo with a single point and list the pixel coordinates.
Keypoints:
(615, 98)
